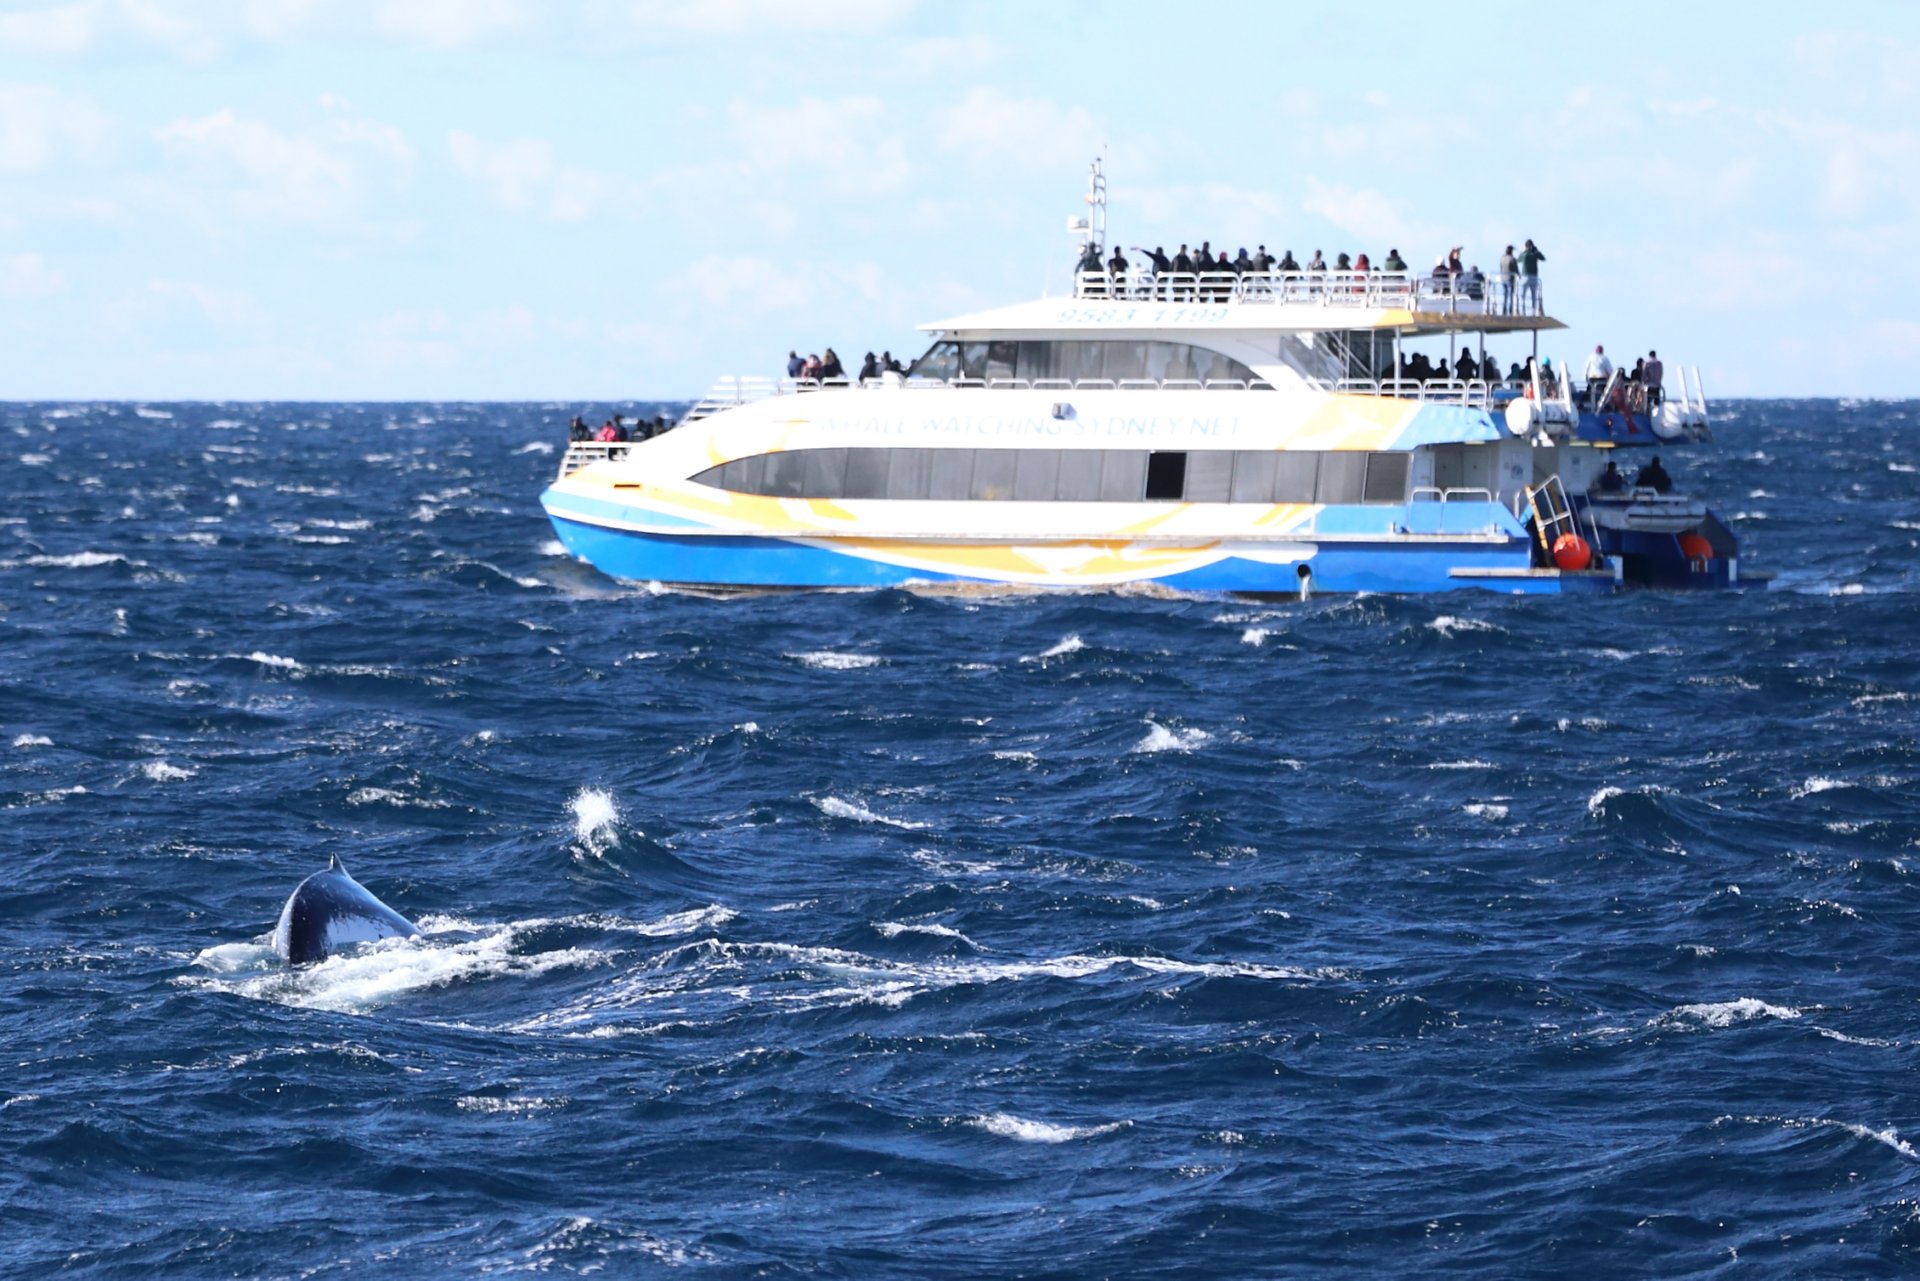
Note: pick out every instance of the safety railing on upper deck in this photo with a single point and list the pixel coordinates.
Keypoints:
(1465, 294)
(728, 393)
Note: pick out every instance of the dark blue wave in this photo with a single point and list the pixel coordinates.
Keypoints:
(889, 934)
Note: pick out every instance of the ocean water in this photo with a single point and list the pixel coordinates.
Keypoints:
(898, 935)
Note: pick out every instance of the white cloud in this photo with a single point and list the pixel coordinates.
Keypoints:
(227, 307)
(657, 19)
(1371, 218)
(748, 285)
(325, 173)
(525, 175)
(67, 28)
(1035, 135)
(446, 24)
(40, 124)
(183, 30)
(838, 147)
(28, 276)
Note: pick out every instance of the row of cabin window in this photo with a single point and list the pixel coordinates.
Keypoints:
(1071, 475)
(1077, 361)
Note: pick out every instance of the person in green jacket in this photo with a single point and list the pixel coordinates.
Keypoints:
(1530, 260)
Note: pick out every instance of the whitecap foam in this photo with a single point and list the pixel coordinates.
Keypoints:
(1474, 763)
(275, 661)
(1161, 739)
(1449, 625)
(388, 796)
(1255, 636)
(595, 818)
(894, 929)
(536, 447)
(835, 807)
(1815, 785)
(1492, 813)
(1727, 1013)
(1068, 644)
(1008, 1126)
(162, 772)
(829, 661)
(374, 974)
(518, 1105)
(77, 560)
(32, 740)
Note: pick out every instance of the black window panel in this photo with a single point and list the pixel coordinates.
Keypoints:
(1253, 475)
(745, 475)
(826, 474)
(909, 472)
(786, 474)
(1166, 475)
(941, 361)
(1341, 472)
(1036, 475)
(973, 360)
(993, 471)
(1123, 475)
(866, 473)
(952, 473)
(1079, 480)
(1001, 359)
(1386, 479)
(1210, 475)
(1294, 477)
(1036, 361)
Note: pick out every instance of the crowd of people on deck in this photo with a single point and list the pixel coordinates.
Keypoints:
(615, 430)
(827, 368)
(1514, 289)
(1635, 390)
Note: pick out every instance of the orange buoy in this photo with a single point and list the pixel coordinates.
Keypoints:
(1570, 551)
(1694, 547)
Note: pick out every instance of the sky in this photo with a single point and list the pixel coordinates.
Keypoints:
(625, 199)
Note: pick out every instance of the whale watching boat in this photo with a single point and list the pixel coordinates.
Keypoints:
(1250, 432)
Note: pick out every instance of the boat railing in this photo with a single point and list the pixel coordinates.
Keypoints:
(1430, 508)
(1463, 294)
(584, 453)
(732, 392)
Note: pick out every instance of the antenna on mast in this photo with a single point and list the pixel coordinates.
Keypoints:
(1092, 229)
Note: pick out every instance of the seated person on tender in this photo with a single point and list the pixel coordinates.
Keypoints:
(1653, 476)
(1610, 481)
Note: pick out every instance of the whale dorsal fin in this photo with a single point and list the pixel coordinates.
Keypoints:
(333, 864)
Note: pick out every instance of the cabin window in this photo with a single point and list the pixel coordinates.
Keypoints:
(1210, 475)
(1078, 361)
(866, 473)
(909, 472)
(1294, 476)
(1253, 475)
(1166, 475)
(1070, 475)
(993, 473)
(824, 474)
(1123, 475)
(1340, 478)
(1079, 475)
(1386, 478)
(952, 474)
(786, 474)
(1036, 475)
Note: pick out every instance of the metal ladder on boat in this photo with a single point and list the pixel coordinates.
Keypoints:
(1554, 515)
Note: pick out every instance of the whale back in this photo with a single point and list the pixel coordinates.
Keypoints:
(330, 910)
